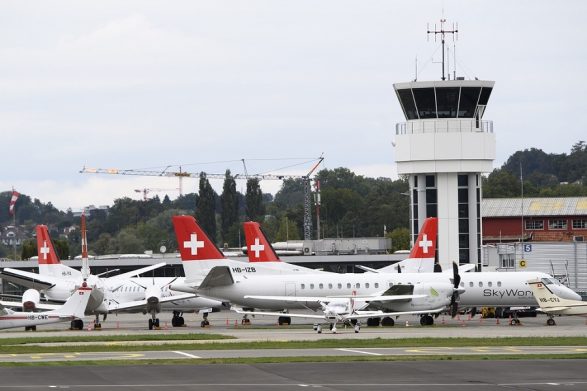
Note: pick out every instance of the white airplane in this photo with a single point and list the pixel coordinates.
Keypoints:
(73, 308)
(339, 296)
(121, 293)
(551, 304)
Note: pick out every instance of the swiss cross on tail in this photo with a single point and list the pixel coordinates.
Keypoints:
(425, 245)
(258, 247)
(45, 250)
(192, 241)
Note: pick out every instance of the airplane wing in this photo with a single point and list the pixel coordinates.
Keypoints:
(327, 299)
(136, 272)
(27, 279)
(307, 316)
(39, 306)
(381, 314)
(137, 304)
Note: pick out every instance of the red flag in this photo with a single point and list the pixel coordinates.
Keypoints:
(13, 199)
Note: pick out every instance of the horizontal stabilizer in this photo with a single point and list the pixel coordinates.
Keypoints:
(217, 276)
(135, 273)
(27, 279)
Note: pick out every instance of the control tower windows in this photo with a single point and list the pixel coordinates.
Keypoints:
(468, 102)
(447, 101)
(425, 102)
(407, 101)
(484, 98)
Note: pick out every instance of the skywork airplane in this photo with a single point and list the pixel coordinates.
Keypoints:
(73, 308)
(551, 304)
(336, 295)
(121, 293)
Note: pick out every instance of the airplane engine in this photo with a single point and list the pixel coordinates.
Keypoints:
(30, 300)
(153, 296)
(437, 294)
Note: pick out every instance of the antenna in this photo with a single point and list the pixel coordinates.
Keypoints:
(442, 32)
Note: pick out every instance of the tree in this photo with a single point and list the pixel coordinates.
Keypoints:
(400, 239)
(229, 204)
(29, 249)
(287, 230)
(254, 200)
(206, 208)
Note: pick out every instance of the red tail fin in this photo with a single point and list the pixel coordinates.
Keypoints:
(425, 245)
(45, 250)
(258, 247)
(192, 241)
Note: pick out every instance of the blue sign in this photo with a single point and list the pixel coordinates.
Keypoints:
(527, 248)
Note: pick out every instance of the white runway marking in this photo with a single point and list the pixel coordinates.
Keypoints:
(360, 351)
(186, 354)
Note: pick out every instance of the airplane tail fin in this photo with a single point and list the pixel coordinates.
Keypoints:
(545, 297)
(423, 253)
(198, 253)
(258, 247)
(76, 305)
(49, 263)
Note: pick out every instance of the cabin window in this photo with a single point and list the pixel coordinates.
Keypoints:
(376, 285)
(499, 283)
(311, 286)
(357, 285)
(321, 286)
(348, 285)
(303, 286)
(480, 284)
(339, 285)
(367, 285)
(471, 284)
(329, 286)
(490, 284)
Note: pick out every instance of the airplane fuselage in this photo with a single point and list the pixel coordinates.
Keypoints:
(481, 289)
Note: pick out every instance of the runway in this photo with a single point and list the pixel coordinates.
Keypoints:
(322, 352)
(417, 376)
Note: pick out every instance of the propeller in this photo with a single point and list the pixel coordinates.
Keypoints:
(454, 300)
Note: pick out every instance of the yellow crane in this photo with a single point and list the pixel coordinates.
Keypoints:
(185, 174)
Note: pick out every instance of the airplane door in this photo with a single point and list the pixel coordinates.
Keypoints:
(290, 288)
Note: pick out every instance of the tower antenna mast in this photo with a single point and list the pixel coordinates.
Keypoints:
(442, 32)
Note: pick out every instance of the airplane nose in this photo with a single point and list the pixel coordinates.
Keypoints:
(568, 293)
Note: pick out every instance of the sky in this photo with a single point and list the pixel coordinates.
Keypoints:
(148, 84)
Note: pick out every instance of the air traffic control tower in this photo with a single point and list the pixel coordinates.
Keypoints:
(443, 147)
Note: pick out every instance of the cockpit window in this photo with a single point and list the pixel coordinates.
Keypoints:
(550, 281)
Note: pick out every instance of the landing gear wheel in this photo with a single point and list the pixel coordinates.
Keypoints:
(284, 320)
(245, 321)
(77, 324)
(97, 326)
(387, 321)
(150, 324)
(357, 327)
(551, 322)
(373, 322)
(156, 323)
(31, 328)
(319, 329)
(204, 323)
(515, 322)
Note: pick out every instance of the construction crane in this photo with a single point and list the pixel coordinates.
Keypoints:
(148, 190)
(184, 174)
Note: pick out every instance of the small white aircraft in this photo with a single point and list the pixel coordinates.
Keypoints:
(73, 308)
(551, 304)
